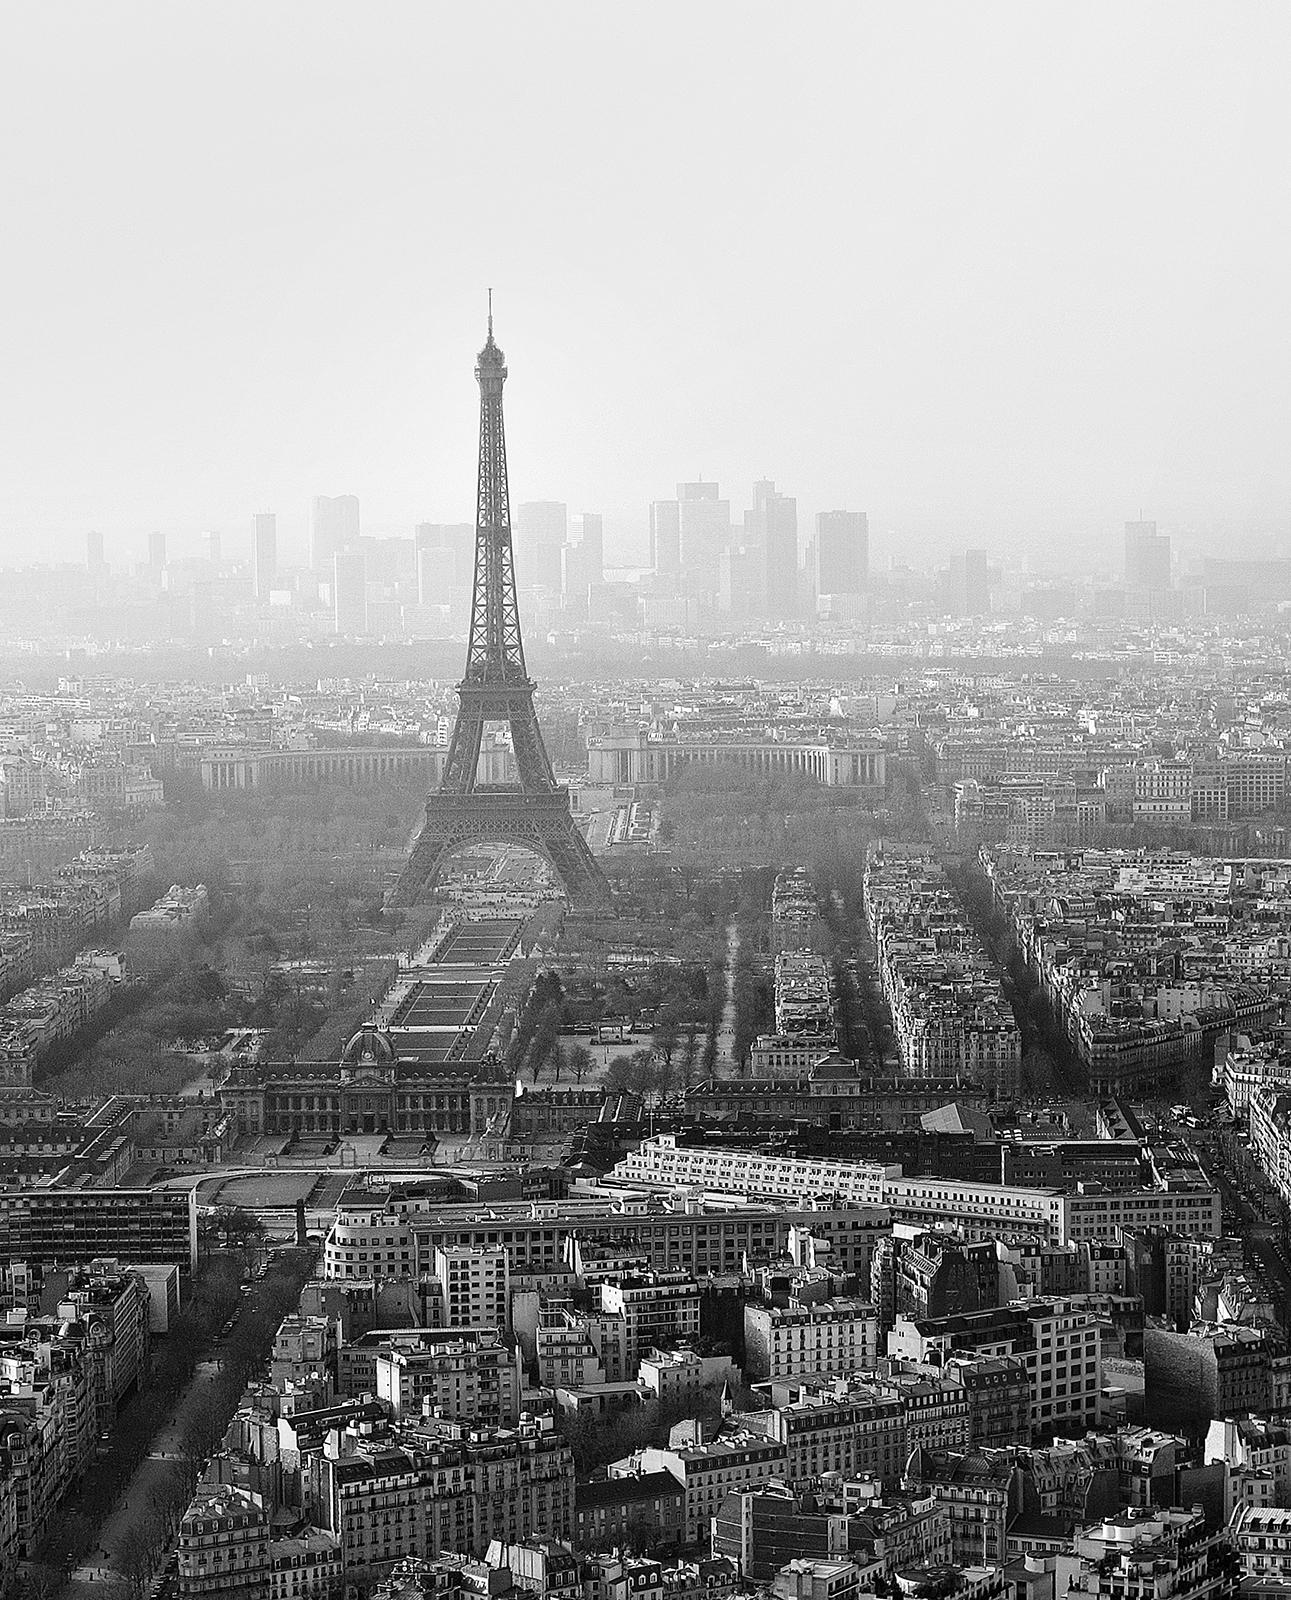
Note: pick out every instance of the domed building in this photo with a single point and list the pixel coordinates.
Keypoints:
(370, 1089)
(369, 1047)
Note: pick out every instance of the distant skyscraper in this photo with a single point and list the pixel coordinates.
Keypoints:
(705, 532)
(436, 574)
(445, 559)
(540, 531)
(213, 548)
(157, 551)
(350, 590)
(583, 558)
(392, 562)
(842, 552)
(665, 538)
(970, 584)
(94, 551)
(1147, 556)
(590, 528)
(333, 523)
(771, 542)
(264, 554)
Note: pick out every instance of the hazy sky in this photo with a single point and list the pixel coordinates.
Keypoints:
(993, 272)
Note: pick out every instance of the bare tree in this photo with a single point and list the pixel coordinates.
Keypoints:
(168, 1499)
(41, 1582)
(203, 1433)
(138, 1552)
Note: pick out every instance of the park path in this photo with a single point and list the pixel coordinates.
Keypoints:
(725, 1062)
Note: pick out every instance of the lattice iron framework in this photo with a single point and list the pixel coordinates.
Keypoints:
(497, 688)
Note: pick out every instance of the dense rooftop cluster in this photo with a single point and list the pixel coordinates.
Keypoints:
(948, 1010)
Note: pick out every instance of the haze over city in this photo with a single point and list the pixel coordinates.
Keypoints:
(645, 802)
(1004, 276)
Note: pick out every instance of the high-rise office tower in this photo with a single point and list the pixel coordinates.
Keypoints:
(842, 552)
(665, 538)
(771, 544)
(540, 532)
(1147, 556)
(94, 551)
(589, 526)
(350, 590)
(264, 553)
(333, 523)
(214, 550)
(970, 584)
(157, 551)
(445, 557)
(741, 589)
(436, 574)
(392, 562)
(583, 559)
(704, 533)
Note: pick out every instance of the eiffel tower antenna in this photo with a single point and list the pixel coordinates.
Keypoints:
(496, 688)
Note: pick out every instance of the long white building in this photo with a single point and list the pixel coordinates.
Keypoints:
(631, 756)
(981, 1210)
(662, 1163)
(385, 1234)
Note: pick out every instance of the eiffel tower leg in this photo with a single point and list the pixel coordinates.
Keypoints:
(538, 823)
(418, 876)
(574, 864)
(464, 752)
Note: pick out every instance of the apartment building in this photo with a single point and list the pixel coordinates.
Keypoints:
(304, 1348)
(1248, 1067)
(609, 1512)
(573, 1349)
(855, 1429)
(681, 1379)
(1057, 1342)
(377, 1238)
(223, 1546)
(949, 1012)
(111, 1305)
(799, 1340)
(1212, 1370)
(1262, 1538)
(1092, 926)
(442, 1486)
(468, 1374)
(935, 1408)
(474, 1282)
(655, 1308)
(64, 1226)
(707, 1464)
(617, 1576)
(1169, 1551)
(979, 1492)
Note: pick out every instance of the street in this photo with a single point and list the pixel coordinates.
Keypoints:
(133, 1504)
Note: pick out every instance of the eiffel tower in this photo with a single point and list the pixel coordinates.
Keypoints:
(497, 688)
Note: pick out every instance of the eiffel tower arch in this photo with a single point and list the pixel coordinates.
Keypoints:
(534, 811)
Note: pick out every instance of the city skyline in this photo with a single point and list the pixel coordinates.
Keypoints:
(136, 549)
(707, 1018)
(1039, 258)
